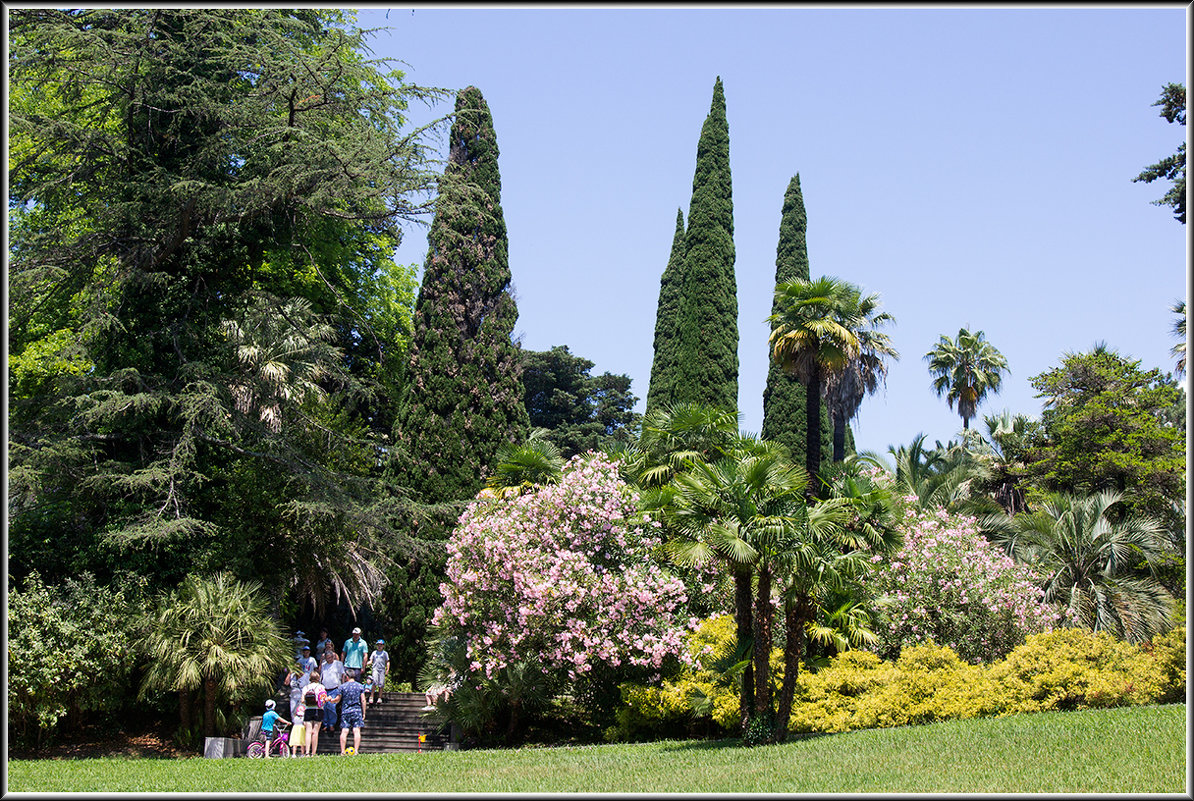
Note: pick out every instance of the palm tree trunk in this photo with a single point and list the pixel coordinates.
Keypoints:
(812, 439)
(839, 435)
(743, 600)
(762, 644)
(797, 610)
(209, 706)
(184, 711)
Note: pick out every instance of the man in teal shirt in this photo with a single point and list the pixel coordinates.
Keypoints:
(355, 651)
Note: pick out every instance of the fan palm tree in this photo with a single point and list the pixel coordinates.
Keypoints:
(1087, 552)
(739, 509)
(213, 636)
(520, 468)
(815, 334)
(672, 436)
(284, 351)
(845, 390)
(965, 370)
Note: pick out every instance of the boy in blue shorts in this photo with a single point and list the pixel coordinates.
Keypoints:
(352, 711)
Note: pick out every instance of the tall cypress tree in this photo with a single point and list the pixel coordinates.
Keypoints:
(465, 393)
(784, 415)
(665, 368)
(708, 309)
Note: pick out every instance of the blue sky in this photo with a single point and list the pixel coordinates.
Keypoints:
(972, 165)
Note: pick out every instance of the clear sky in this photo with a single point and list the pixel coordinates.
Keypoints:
(971, 165)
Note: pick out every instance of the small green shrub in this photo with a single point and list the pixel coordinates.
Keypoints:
(1072, 668)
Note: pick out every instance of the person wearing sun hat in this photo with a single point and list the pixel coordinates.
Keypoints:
(379, 660)
(355, 651)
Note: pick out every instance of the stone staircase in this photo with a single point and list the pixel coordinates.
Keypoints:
(391, 726)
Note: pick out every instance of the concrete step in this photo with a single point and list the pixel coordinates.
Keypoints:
(392, 726)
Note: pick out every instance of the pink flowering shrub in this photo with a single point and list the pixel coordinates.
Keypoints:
(563, 577)
(948, 585)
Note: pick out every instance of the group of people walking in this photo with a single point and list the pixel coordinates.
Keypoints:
(330, 692)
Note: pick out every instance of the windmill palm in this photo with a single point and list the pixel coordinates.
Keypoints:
(674, 435)
(741, 510)
(965, 370)
(845, 390)
(1087, 553)
(1179, 330)
(815, 334)
(520, 468)
(213, 636)
(283, 350)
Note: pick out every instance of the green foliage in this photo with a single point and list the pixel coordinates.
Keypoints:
(1171, 168)
(464, 394)
(214, 638)
(68, 652)
(707, 313)
(665, 365)
(580, 412)
(819, 332)
(1086, 553)
(701, 699)
(1108, 427)
(227, 286)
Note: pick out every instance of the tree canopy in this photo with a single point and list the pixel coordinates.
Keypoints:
(204, 310)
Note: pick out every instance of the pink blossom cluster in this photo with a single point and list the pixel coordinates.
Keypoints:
(948, 585)
(563, 576)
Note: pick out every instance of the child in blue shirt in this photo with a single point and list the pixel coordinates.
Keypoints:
(268, 720)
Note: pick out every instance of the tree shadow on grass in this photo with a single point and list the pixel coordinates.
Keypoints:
(736, 742)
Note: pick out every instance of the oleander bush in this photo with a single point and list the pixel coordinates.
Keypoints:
(948, 585)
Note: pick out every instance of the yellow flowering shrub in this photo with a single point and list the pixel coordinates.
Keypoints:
(1071, 668)
(1169, 650)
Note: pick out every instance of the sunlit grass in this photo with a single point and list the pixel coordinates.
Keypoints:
(1128, 750)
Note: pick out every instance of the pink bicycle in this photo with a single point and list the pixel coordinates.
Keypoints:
(279, 747)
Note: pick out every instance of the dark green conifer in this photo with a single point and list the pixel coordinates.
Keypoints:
(664, 368)
(465, 393)
(784, 415)
(708, 309)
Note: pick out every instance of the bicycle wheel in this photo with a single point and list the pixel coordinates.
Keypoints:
(282, 750)
(256, 750)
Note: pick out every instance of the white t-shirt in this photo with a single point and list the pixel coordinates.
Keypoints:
(331, 673)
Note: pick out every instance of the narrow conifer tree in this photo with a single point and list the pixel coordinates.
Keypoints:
(464, 390)
(708, 309)
(664, 367)
(784, 402)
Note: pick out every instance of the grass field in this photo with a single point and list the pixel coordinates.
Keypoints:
(1128, 750)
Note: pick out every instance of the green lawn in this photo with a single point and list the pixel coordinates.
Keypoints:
(1128, 750)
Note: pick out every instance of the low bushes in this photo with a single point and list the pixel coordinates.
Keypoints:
(1063, 669)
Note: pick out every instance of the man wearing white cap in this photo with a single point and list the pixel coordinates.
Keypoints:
(355, 651)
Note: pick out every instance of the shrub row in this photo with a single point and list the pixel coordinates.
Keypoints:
(1063, 669)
